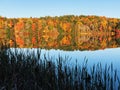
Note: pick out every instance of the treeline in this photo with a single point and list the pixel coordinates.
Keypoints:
(95, 23)
(57, 31)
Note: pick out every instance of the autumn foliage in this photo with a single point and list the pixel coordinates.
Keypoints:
(60, 31)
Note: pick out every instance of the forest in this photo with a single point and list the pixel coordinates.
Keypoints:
(63, 32)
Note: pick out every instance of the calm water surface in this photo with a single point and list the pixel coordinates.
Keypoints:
(106, 56)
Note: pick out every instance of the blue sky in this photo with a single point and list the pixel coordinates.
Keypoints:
(38, 8)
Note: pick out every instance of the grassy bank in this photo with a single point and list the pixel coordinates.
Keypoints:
(20, 71)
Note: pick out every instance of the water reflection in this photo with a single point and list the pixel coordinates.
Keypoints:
(68, 41)
(76, 40)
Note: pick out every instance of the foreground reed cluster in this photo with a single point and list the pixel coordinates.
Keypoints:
(27, 71)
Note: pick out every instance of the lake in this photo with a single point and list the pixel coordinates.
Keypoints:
(74, 39)
(98, 47)
(74, 49)
(106, 56)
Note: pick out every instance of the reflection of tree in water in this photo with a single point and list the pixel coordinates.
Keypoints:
(69, 32)
(118, 41)
(66, 40)
(83, 41)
